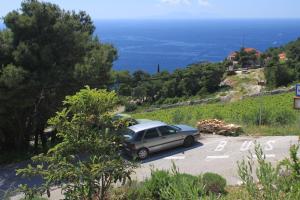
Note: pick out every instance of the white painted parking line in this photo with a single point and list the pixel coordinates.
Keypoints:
(217, 157)
(240, 183)
(175, 158)
(267, 156)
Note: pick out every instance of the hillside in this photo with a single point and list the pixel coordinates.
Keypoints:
(267, 115)
(243, 83)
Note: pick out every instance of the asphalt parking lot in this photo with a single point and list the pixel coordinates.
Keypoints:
(217, 154)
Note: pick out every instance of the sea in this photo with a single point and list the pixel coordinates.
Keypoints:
(172, 44)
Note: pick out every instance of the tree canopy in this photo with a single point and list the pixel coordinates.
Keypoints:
(281, 72)
(194, 80)
(87, 160)
(46, 53)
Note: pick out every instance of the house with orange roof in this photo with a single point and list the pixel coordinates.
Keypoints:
(248, 58)
(282, 57)
(250, 50)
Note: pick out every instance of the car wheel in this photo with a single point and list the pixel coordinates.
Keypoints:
(142, 153)
(188, 141)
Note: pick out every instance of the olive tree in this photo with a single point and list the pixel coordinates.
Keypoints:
(86, 161)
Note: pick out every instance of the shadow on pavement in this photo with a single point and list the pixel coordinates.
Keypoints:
(167, 153)
(9, 181)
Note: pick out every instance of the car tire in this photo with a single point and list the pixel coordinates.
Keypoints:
(188, 141)
(142, 153)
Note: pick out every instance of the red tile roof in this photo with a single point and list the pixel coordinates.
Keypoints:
(282, 56)
(249, 50)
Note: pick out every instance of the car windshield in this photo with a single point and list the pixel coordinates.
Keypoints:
(128, 133)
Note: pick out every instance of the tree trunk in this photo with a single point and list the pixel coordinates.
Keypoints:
(36, 142)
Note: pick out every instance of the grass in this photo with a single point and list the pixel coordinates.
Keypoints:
(267, 115)
(235, 192)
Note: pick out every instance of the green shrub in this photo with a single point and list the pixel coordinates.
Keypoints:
(284, 117)
(259, 116)
(182, 186)
(159, 180)
(129, 107)
(214, 183)
(279, 182)
(178, 117)
(171, 100)
(133, 190)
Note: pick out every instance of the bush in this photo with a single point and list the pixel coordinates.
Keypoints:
(280, 182)
(163, 185)
(214, 183)
(260, 116)
(171, 100)
(129, 107)
(284, 117)
(88, 155)
(133, 190)
(159, 180)
(183, 186)
(177, 117)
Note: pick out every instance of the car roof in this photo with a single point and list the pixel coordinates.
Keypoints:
(142, 121)
(146, 125)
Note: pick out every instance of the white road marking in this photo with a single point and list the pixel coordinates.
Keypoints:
(217, 157)
(175, 158)
(221, 146)
(240, 183)
(267, 156)
(269, 146)
(246, 145)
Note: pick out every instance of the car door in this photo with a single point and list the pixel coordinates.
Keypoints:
(151, 140)
(170, 137)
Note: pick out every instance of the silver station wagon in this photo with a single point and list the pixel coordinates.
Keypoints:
(143, 139)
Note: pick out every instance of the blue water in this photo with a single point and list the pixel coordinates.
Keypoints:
(178, 43)
(172, 44)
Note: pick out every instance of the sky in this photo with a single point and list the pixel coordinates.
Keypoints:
(174, 9)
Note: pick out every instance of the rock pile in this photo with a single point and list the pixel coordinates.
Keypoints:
(215, 126)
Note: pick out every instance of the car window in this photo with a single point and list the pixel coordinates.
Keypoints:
(167, 130)
(151, 133)
(128, 132)
(139, 136)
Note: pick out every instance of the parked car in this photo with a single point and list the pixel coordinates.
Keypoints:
(143, 139)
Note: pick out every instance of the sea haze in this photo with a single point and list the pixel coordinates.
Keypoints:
(178, 43)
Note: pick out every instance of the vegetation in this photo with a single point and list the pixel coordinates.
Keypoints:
(280, 182)
(246, 58)
(165, 185)
(266, 115)
(283, 72)
(46, 53)
(265, 182)
(196, 79)
(214, 183)
(87, 160)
